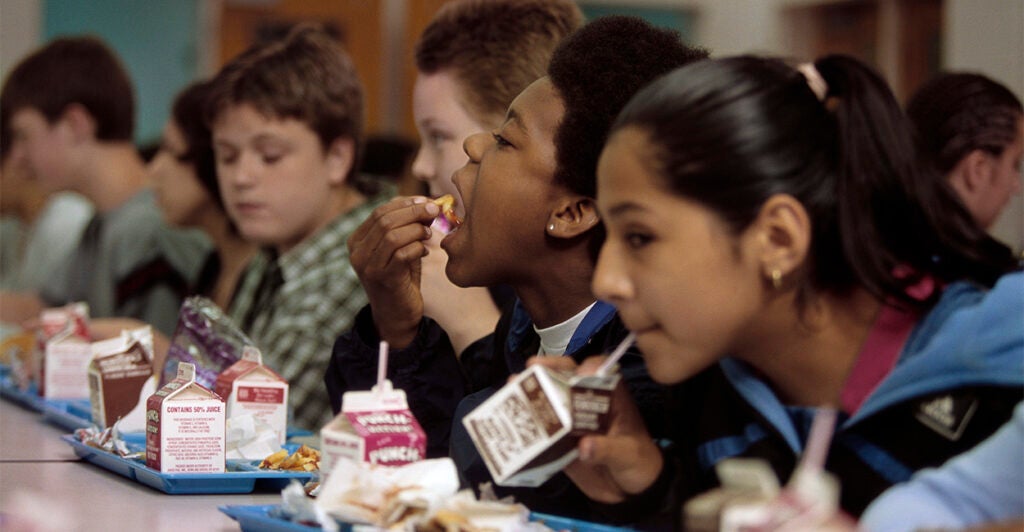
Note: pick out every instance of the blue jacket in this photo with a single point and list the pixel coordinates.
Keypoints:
(956, 381)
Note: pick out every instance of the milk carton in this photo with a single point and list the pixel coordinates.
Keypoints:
(185, 426)
(374, 427)
(64, 348)
(121, 379)
(528, 430)
(249, 387)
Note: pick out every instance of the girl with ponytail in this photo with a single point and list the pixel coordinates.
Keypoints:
(776, 248)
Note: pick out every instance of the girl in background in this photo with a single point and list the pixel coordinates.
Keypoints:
(184, 176)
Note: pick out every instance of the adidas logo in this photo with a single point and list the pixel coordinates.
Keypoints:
(947, 415)
(940, 410)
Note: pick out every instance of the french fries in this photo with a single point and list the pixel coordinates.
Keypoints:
(447, 205)
(304, 459)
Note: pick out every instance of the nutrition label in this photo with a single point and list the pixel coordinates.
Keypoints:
(192, 437)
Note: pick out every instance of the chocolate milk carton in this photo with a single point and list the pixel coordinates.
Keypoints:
(528, 430)
(119, 373)
(374, 427)
(185, 426)
(64, 348)
(250, 387)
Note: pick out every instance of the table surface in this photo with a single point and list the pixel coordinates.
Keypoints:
(43, 483)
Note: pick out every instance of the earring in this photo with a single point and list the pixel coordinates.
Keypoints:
(551, 227)
(776, 276)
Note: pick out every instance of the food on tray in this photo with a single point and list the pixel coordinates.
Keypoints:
(305, 458)
(358, 492)
(447, 205)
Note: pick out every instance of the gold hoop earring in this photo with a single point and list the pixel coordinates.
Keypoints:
(776, 276)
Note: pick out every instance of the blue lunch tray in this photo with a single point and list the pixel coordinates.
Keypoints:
(68, 414)
(263, 518)
(242, 476)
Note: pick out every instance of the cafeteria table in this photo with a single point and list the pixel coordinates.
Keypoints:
(43, 483)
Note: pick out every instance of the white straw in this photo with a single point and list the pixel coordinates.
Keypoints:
(819, 439)
(382, 365)
(617, 354)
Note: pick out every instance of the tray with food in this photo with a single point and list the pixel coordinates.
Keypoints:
(422, 496)
(240, 476)
(270, 518)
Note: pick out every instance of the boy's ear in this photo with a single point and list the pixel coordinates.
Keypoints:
(783, 237)
(341, 155)
(572, 217)
(79, 121)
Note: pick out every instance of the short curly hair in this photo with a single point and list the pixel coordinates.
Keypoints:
(596, 71)
(495, 48)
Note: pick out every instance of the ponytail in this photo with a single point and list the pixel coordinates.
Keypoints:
(892, 212)
(730, 133)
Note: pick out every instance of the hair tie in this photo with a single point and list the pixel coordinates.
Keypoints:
(814, 80)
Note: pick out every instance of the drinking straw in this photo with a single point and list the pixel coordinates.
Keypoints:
(617, 354)
(819, 439)
(382, 365)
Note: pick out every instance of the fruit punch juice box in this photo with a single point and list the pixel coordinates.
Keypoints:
(376, 427)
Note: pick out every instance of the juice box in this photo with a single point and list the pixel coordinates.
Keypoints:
(528, 430)
(375, 427)
(185, 426)
(118, 374)
(250, 387)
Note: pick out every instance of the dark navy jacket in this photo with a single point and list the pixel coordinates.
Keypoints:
(435, 383)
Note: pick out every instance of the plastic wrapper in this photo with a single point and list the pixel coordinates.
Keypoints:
(205, 337)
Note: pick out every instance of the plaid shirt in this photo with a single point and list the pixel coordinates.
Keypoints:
(294, 308)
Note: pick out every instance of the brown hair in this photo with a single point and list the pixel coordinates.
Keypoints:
(957, 113)
(74, 70)
(495, 48)
(306, 76)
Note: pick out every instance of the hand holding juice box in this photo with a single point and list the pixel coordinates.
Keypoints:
(529, 429)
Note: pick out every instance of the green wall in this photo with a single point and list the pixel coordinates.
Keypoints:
(156, 39)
